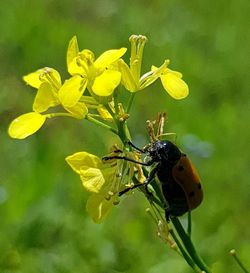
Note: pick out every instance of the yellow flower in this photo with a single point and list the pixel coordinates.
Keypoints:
(51, 92)
(173, 83)
(131, 75)
(102, 78)
(97, 178)
(47, 81)
(103, 180)
(133, 81)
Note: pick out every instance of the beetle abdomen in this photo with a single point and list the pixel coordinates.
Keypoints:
(187, 177)
(175, 198)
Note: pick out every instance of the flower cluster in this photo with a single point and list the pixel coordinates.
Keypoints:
(92, 85)
(94, 92)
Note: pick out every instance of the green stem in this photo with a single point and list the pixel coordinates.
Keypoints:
(238, 261)
(183, 252)
(113, 115)
(126, 131)
(189, 245)
(186, 247)
(110, 111)
(116, 96)
(122, 128)
(130, 102)
(52, 115)
(123, 132)
(189, 227)
(99, 123)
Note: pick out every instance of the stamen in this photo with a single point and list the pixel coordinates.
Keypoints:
(81, 63)
(49, 77)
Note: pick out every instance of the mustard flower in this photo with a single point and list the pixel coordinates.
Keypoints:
(131, 75)
(103, 179)
(101, 76)
(97, 178)
(47, 81)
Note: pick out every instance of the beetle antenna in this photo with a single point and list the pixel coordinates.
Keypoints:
(135, 147)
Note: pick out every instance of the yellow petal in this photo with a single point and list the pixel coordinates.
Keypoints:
(178, 74)
(127, 78)
(109, 56)
(79, 110)
(74, 68)
(72, 51)
(105, 84)
(175, 86)
(92, 179)
(44, 98)
(153, 67)
(151, 76)
(81, 160)
(35, 79)
(71, 91)
(98, 207)
(26, 125)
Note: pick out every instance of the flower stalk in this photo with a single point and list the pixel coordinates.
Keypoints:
(101, 124)
(187, 242)
(185, 255)
(130, 102)
(94, 92)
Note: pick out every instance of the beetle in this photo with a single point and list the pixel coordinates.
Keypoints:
(178, 177)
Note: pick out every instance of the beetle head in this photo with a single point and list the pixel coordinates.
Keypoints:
(163, 151)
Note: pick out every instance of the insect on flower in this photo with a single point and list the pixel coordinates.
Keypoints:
(179, 180)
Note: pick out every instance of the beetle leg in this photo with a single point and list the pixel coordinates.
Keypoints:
(169, 135)
(150, 177)
(149, 163)
(168, 214)
(145, 184)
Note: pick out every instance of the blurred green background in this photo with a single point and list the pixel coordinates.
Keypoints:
(44, 227)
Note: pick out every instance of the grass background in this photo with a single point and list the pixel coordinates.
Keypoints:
(44, 227)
